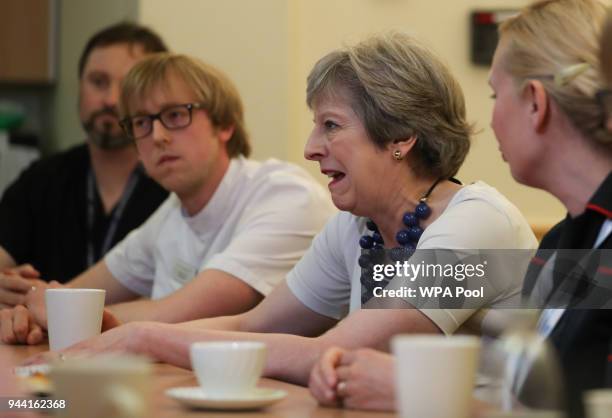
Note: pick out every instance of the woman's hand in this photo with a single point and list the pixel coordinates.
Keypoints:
(323, 378)
(358, 379)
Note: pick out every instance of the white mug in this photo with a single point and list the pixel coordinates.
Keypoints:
(105, 386)
(435, 375)
(73, 315)
(228, 369)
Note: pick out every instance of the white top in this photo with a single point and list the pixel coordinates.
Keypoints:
(327, 278)
(257, 225)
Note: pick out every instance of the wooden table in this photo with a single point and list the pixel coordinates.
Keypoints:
(297, 404)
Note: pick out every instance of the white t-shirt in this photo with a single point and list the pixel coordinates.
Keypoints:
(327, 278)
(257, 225)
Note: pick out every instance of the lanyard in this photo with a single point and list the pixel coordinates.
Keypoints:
(115, 214)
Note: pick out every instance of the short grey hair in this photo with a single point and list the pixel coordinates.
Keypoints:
(399, 89)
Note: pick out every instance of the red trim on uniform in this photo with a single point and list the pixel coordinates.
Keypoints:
(605, 270)
(539, 261)
(610, 357)
(605, 212)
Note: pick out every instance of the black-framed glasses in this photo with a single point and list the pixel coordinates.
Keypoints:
(172, 117)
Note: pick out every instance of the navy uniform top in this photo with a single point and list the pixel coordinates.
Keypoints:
(581, 337)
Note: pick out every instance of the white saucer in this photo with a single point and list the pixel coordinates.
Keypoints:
(196, 398)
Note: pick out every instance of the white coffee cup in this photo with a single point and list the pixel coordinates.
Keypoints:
(73, 315)
(598, 403)
(101, 387)
(227, 369)
(435, 375)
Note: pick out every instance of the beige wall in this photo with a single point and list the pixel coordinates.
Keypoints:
(269, 46)
(78, 20)
(248, 40)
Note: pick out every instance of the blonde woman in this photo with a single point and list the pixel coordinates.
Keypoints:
(605, 55)
(551, 128)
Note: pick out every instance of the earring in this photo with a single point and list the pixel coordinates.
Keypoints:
(397, 154)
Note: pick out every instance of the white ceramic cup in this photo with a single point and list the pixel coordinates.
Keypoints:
(101, 387)
(435, 375)
(73, 315)
(598, 403)
(227, 369)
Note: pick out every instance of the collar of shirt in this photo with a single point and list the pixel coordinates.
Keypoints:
(211, 215)
(601, 202)
(583, 230)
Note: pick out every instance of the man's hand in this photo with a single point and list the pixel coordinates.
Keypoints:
(121, 339)
(324, 379)
(15, 283)
(17, 326)
(26, 324)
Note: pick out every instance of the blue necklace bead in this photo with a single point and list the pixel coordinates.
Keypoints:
(378, 239)
(401, 253)
(365, 261)
(410, 219)
(403, 237)
(422, 211)
(366, 242)
(414, 233)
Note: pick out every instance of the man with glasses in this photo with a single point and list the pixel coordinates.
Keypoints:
(230, 231)
(66, 211)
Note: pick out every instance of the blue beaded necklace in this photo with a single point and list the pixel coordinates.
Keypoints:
(407, 237)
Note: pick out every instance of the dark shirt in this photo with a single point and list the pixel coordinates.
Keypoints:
(43, 215)
(582, 336)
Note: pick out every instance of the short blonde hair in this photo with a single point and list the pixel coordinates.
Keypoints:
(213, 89)
(550, 36)
(606, 50)
(399, 89)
